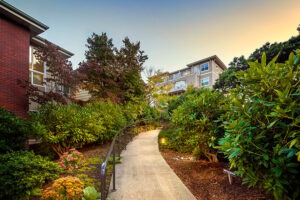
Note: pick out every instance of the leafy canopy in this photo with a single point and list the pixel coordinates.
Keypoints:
(61, 81)
(228, 79)
(111, 73)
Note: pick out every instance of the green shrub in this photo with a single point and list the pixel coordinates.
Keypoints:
(175, 102)
(44, 149)
(173, 139)
(111, 115)
(149, 112)
(13, 131)
(67, 126)
(195, 120)
(262, 139)
(132, 111)
(21, 172)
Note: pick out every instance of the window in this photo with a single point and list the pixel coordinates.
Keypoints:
(63, 89)
(196, 69)
(205, 81)
(204, 67)
(36, 69)
(180, 85)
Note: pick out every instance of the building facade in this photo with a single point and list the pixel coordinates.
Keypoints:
(202, 73)
(18, 38)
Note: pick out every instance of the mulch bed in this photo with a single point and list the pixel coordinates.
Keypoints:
(207, 181)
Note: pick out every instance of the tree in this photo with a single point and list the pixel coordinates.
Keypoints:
(272, 50)
(110, 73)
(158, 93)
(228, 80)
(131, 59)
(60, 76)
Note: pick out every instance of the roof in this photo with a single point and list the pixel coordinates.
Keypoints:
(214, 57)
(179, 70)
(39, 41)
(21, 18)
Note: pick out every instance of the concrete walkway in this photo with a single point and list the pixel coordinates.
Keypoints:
(145, 175)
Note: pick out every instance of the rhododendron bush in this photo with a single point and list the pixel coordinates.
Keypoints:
(70, 160)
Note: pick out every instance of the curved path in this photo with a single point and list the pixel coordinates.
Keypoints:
(145, 175)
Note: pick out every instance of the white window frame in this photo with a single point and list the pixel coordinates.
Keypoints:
(204, 65)
(32, 71)
(205, 81)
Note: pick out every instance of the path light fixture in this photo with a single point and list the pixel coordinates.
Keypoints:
(163, 142)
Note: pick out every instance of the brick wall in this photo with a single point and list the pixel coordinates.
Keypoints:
(14, 61)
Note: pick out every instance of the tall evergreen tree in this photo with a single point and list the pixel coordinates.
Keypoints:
(112, 73)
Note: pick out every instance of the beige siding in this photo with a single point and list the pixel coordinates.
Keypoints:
(217, 70)
(196, 76)
(82, 95)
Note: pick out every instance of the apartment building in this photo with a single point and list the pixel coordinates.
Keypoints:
(18, 39)
(202, 73)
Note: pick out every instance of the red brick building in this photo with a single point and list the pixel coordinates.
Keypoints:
(18, 35)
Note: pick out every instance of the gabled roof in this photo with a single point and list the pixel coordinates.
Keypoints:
(39, 41)
(214, 57)
(10, 12)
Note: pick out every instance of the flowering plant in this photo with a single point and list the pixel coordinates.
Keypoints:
(66, 188)
(69, 160)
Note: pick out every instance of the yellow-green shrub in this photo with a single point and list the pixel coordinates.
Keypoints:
(66, 188)
(66, 126)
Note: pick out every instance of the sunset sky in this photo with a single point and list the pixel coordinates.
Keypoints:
(172, 33)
